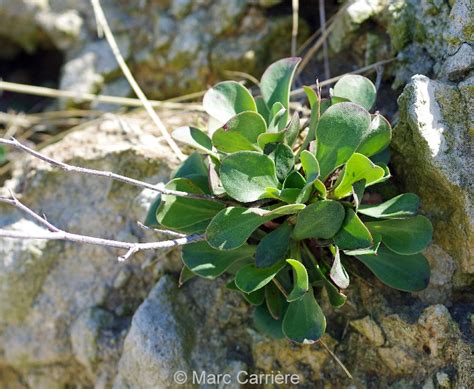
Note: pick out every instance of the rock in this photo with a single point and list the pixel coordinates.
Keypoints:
(459, 64)
(306, 361)
(22, 263)
(370, 329)
(167, 44)
(442, 265)
(433, 154)
(46, 287)
(157, 341)
(425, 36)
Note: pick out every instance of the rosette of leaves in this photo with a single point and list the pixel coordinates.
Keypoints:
(293, 219)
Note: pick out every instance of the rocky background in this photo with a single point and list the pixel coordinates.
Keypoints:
(72, 316)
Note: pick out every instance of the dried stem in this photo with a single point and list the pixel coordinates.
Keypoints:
(54, 233)
(165, 232)
(336, 359)
(294, 30)
(280, 287)
(322, 21)
(125, 101)
(368, 68)
(103, 25)
(70, 168)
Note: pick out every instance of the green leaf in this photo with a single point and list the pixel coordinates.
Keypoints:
(340, 130)
(246, 174)
(214, 181)
(284, 160)
(358, 189)
(208, 262)
(410, 273)
(294, 180)
(185, 275)
(304, 321)
(226, 99)
(270, 137)
(195, 169)
(274, 246)
(305, 193)
(377, 138)
(319, 220)
(320, 188)
(276, 303)
(381, 157)
(193, 137)
(310, 165)
(398, 207)
(404, 236)
(276, 82)
(150, 219)
(251, 278)
(231, 227)
(240, 133)
(277, 117)
(293, 129)
(337, 100)
(336, 297)
(353, 234)
(311, 95)
(255, 298)
(192, 166)
(301, 282)
(3, 153)
(266, 324)
(285, 210)
(289, 195)
(181, 213)
(262, 108)
(357, 168)
(337, 273)
(315, 105)
(358, 89)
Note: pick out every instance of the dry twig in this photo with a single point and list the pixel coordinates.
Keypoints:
(294, 31)
(322, 21)
(141, 184)
(126, 101)
(54, 233)
(365, 69)
(103, 25)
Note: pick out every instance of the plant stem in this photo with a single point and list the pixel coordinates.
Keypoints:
(71, 168)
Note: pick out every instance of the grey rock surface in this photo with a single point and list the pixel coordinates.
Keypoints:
(173, 47)
(82, 318)
(72, 316)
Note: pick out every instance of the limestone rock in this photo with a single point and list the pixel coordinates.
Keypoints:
(157, 340)
(370, 329)
(46, 287)
(168, 44)
(433, 153)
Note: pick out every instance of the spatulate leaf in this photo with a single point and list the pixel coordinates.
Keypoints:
(304, 321)
(240, 133)
(319, 220)
(226, 99)
(410, 273)
(251, 278)
(339, 133)
(301, 282)
(404, 236)
(355, 88)
(207, 262)
(245, 175)
(401, 206)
